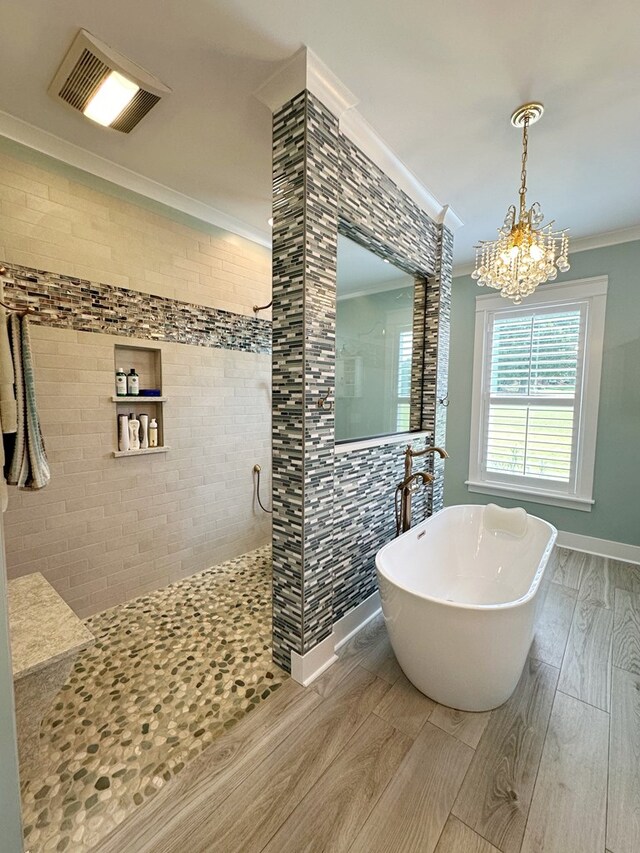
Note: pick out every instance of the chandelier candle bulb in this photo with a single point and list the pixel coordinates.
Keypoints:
(527, 252)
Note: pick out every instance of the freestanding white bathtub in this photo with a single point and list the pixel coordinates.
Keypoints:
(461, 593)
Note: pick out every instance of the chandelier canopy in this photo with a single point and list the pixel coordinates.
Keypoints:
(527, 252)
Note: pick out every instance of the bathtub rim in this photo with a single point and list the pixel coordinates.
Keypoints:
(505, 605)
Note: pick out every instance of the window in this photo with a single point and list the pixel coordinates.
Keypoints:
(536, 388)
(403, 399)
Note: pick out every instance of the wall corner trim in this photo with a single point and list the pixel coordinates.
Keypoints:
(600, 547)
(306, 668)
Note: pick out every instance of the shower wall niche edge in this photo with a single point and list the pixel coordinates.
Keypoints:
(147, 362)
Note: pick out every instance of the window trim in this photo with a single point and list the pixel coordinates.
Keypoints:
(593, 291)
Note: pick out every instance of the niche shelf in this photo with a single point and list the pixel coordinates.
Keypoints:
(147, 362)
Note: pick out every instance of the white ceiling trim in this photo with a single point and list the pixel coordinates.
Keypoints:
(582, 244)
(305, 70)
(45, 142)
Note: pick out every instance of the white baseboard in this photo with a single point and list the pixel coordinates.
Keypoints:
(601, 547)
(356, 619)
(306, 668)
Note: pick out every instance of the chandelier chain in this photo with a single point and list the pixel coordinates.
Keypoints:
(523, 171)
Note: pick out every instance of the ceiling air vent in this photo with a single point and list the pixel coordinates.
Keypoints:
(104, 85)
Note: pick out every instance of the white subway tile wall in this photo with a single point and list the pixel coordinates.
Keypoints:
(106, 530)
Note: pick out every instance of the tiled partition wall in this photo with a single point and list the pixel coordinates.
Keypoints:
(323, 559)
(102, 270)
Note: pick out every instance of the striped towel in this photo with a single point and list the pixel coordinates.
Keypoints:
(29, 468)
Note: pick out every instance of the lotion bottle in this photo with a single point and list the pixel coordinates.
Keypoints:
(134, 432)
(123, 432)
(153, 433)
(133, 383)
(144, 431)
(121, 383)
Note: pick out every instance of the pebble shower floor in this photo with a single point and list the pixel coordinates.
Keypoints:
(170, 672)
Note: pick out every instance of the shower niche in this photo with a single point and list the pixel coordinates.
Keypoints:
(147, 362)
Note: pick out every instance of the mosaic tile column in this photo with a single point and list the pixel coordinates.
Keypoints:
(305, 160)
(438, 324)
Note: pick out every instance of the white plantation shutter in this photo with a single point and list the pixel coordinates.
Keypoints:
(403, 404)
(536, 388)
(533, 387)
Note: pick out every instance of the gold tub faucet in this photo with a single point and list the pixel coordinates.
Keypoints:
(405, 489)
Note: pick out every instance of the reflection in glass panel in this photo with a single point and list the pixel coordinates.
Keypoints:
(374, 321)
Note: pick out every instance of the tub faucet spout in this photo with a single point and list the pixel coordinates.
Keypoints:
(410, 483)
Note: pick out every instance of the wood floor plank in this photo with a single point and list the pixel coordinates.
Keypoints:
(623, 819)
(405, 707)
(586, 669)
(568, 811)
(334, 810)
(381, 661)
(458, 838)
(597, 583)
(626, 631)
(467, 726)
(349, 656)
(569, 567)
(216, 772)
(414, 808)
(495, 797)
(254, 811)
(601, 576)
(552, 632)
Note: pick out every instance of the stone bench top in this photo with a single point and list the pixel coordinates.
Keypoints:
(43, 628)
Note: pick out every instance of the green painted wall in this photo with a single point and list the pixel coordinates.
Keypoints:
(10, 822)
(616, 513)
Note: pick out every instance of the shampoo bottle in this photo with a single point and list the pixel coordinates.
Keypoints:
(134, 432)
(153, 433)
(144, 431)
(121, 383)
(123, 432)
(133, 383)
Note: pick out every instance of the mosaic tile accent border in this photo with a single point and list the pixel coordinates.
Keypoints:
(322, 184)
(87, 306)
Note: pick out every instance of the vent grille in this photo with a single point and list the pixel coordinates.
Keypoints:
(87, 74)
(135, 111)
(87, 64)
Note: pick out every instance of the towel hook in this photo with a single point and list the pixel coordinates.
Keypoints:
(325, 403)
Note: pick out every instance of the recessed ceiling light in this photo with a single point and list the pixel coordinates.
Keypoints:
(386, 260)
(270, 221)
(112, 96)
(104, 85)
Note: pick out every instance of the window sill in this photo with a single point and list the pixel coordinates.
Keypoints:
(524, 493)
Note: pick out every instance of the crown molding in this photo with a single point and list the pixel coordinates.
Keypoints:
(305, 70)
(581, 244)
(60, 149)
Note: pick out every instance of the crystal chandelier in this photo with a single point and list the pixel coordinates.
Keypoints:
(527, 252)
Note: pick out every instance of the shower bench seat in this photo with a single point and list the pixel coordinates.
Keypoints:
(46, 637)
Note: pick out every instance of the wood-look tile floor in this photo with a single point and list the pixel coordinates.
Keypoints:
(362, 762)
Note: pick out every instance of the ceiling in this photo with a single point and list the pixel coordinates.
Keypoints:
(437, 80)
